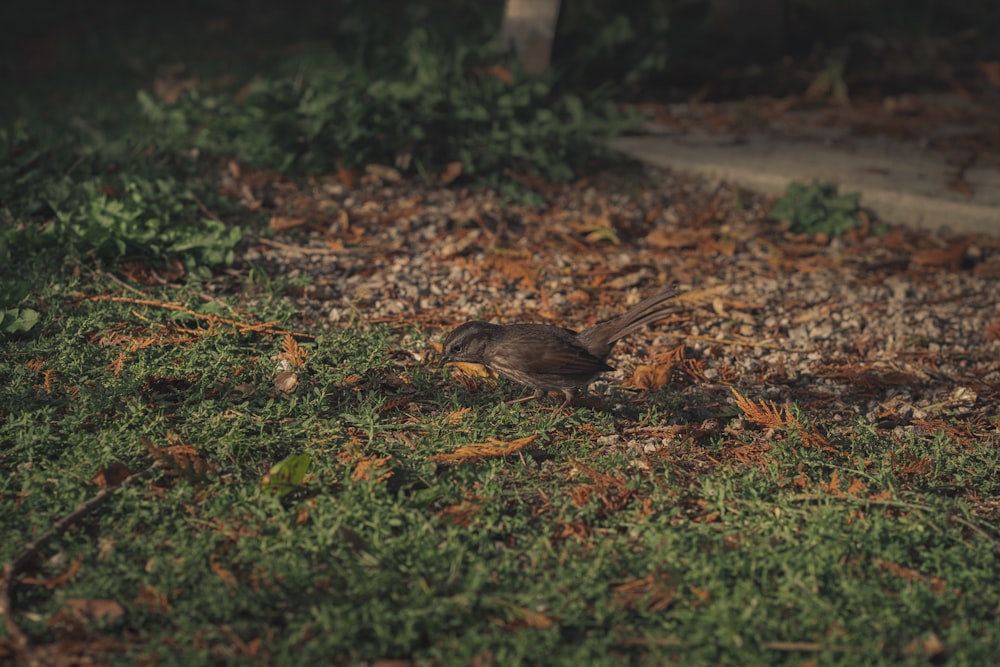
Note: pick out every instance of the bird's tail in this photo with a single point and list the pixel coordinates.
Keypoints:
(603, 335)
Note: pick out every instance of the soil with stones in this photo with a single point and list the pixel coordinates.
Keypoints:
(895, 327)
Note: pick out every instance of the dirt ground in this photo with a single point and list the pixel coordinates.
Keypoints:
(895, 327)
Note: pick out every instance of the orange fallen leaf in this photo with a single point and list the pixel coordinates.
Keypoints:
(762, 413)
(651, 377)
(152, 600)
(451, 172)
(461, 514)
(281, 222)
(457, 416)
(833, 486)
(856, 487)
(522, 617)
(991, 70)
(346, 176)
(372, 469)
(227, 577)
(484, 450)
(94, 609)
(655, 592)
(498, 72)
(292, 352)
(472, 370)
(59, 579)
(111, 475)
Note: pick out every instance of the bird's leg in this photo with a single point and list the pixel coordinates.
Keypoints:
(569, 395)
(539, 393)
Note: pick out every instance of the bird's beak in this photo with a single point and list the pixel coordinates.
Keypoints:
(443, 360)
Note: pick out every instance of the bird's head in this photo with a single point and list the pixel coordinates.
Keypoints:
(467, 343)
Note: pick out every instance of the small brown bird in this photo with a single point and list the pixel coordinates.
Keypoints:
(546, 357)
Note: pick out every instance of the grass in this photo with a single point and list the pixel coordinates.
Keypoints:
(562, 552)
(334, 523)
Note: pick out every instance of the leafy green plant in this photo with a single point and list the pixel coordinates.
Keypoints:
(14, 319)
(66, 194)
(817, 208)
(147, 217)
(437, 107)
(127, 216)
(286, 475)
(614, 43)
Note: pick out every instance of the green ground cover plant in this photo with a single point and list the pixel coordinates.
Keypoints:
(301, 493)
(817, 208)
(409, 538)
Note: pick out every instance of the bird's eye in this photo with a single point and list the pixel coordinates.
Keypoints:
(455, 348)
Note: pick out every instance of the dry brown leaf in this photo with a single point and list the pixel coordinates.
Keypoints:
(458, 415)
(117, 365)
(667, 239)
(498, 72)
(282, 222)
(461, 513)
(655, 376)
(152, 600)
(372, 469)
(112, 475)
(286, 381)
(937, 584)
(992, 330)
(764, 414)
(181, 459)
(597, 228)
(991, 70)
(59, 579)
(169, 83)
(833, 486)
(302, 516)
(654, 593)
(472, 370)
(700, 593)
(522, 617)
(227, 577)
(484, 450)
(48, 376)
(346, 176)
(292, 352)
(86, 610)
(581, 494)
(452, 171)
(950, 257)
(511, 268)
(651, 377)
(856, 487)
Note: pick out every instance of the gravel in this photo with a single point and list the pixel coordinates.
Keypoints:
(896, 327)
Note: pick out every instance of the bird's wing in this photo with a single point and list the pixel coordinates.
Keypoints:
(546, 355)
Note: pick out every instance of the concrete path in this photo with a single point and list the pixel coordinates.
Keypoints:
(901, 182)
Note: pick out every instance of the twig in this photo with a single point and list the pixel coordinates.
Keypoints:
(912, 506)
(204, 209)
(121, 282)
(204, 295)
(304, 250)
(726, 341)
(264, 327)
(805, 647)
(809, 647)
(12, 569)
